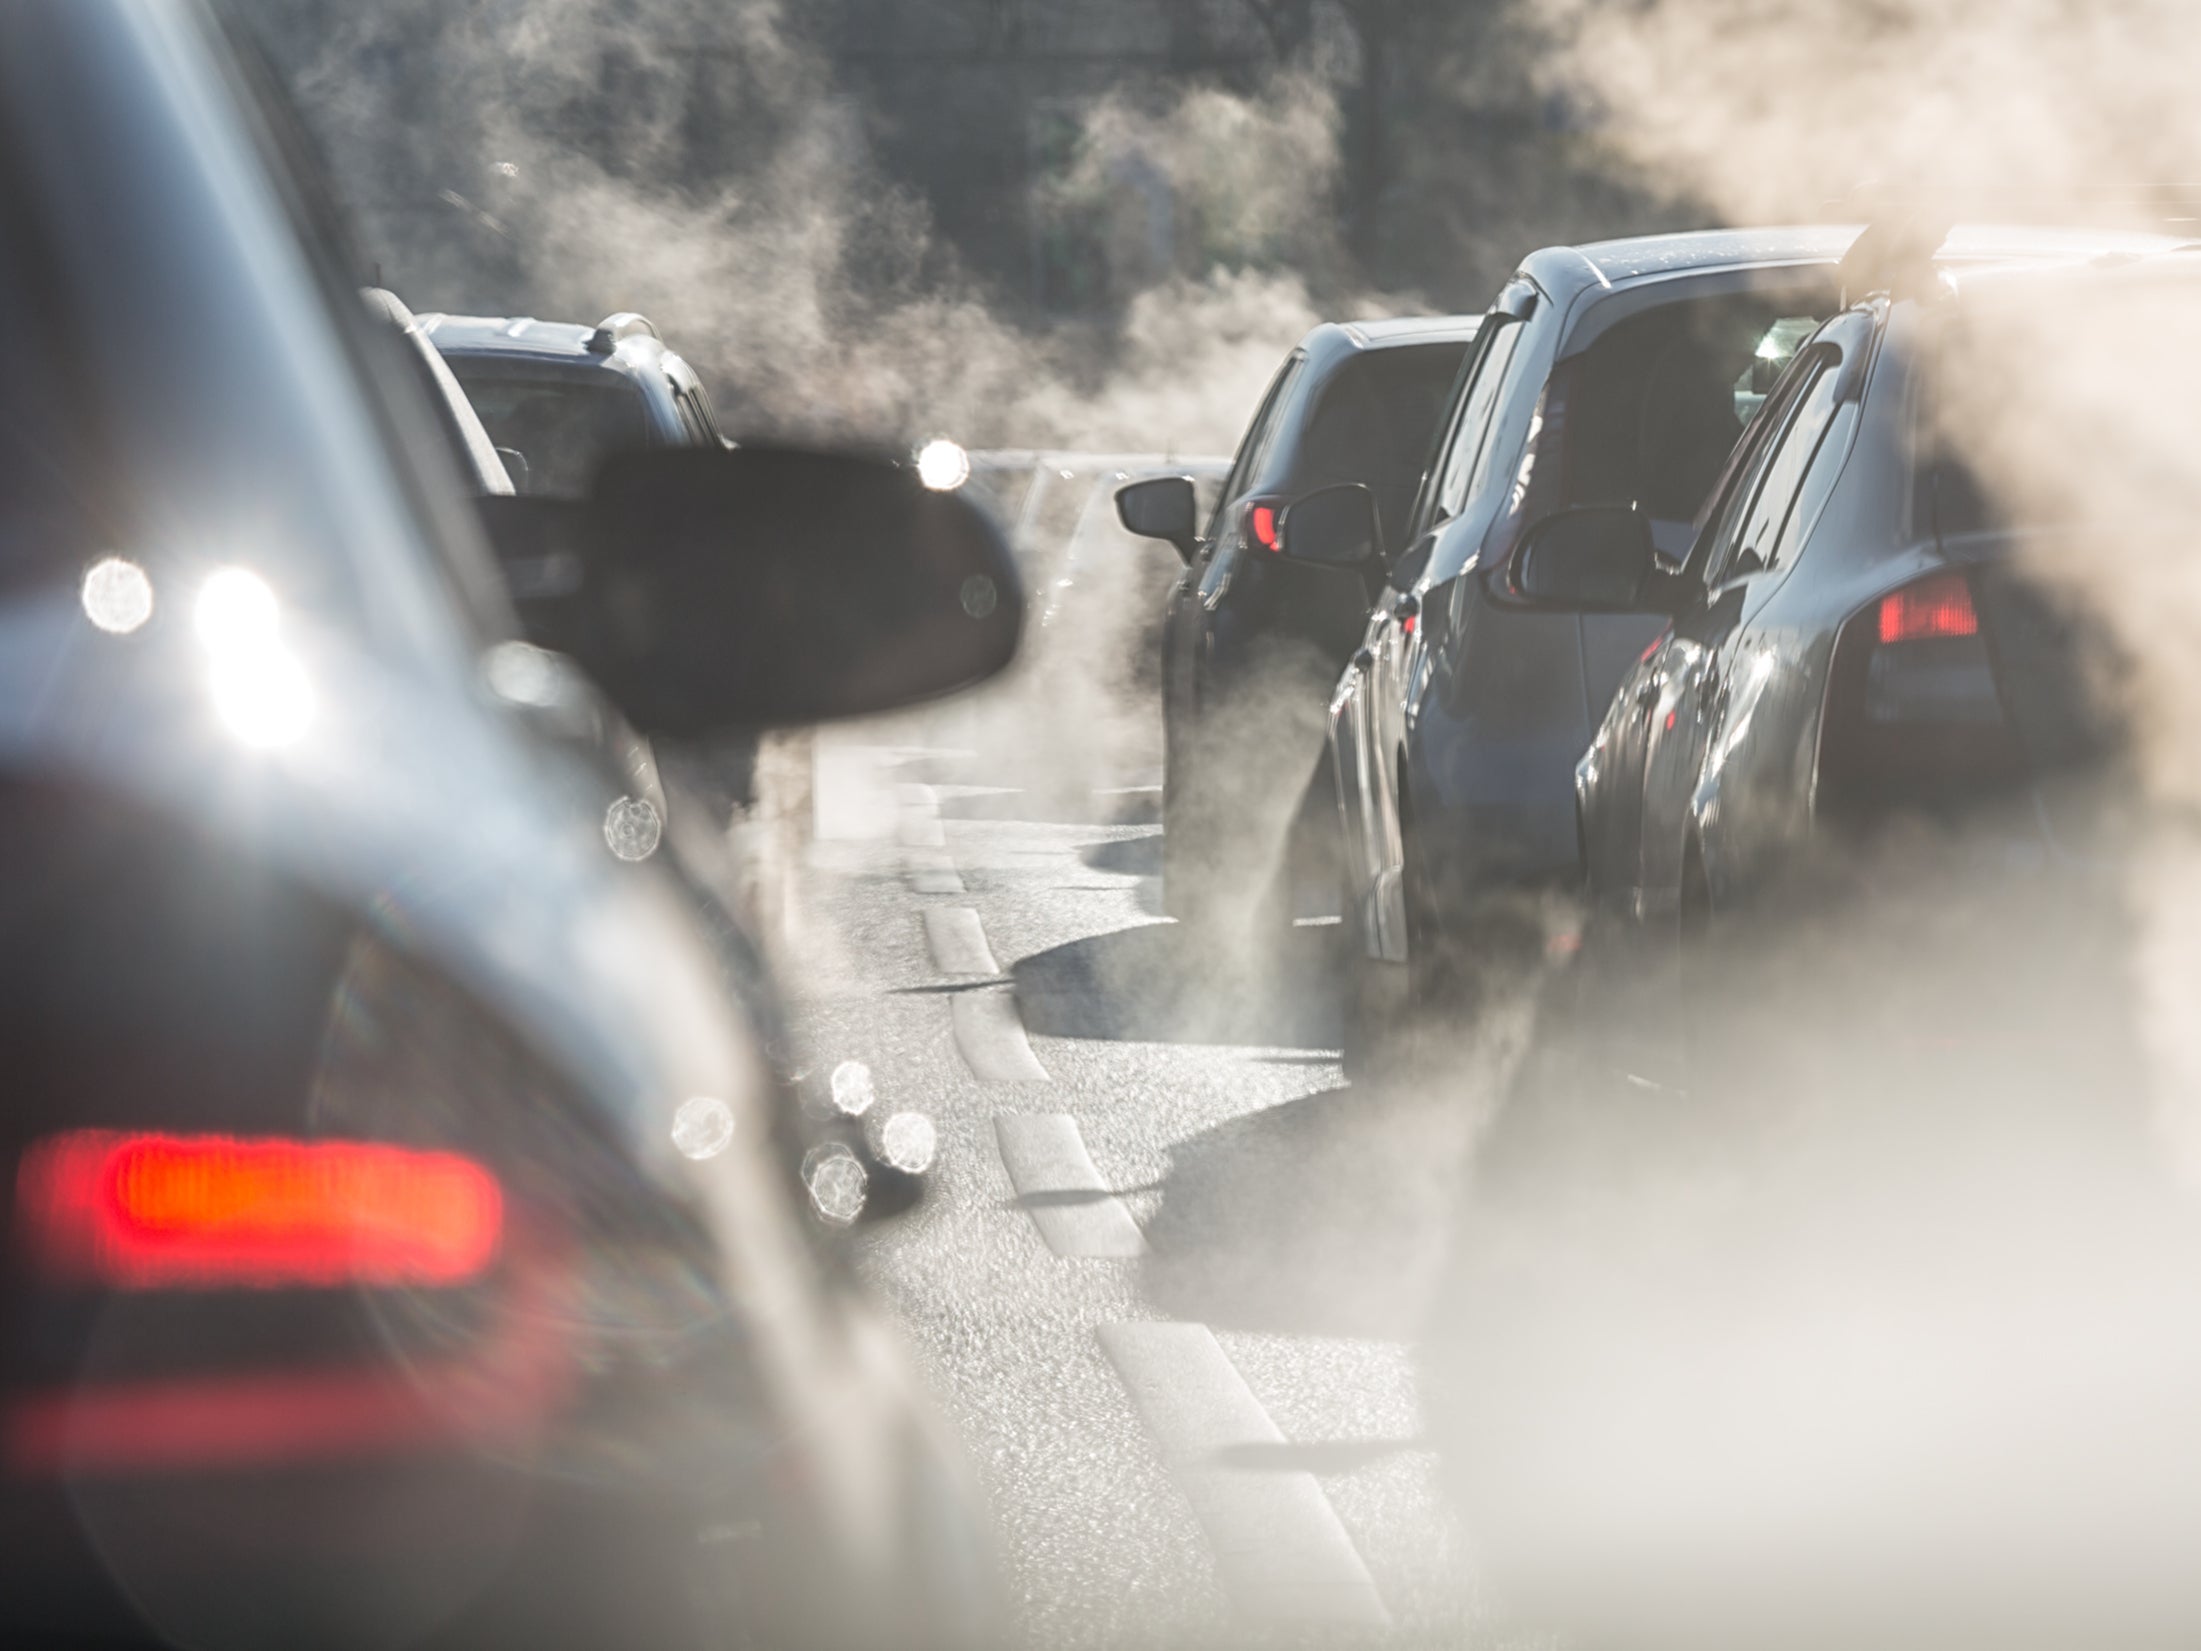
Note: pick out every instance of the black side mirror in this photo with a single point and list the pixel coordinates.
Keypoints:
(706, 589)
(1162, 507)
(1336, 527)
(1595, 560)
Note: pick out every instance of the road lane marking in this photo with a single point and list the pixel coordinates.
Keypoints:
(921, 831)
(932, 871)
(1280, 1549)
(847, 801)
(1074, 1209)
(990, 1033)
(958, 941)
(919, 825)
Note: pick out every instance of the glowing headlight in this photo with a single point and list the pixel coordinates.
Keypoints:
(943, 466)
(261, 690)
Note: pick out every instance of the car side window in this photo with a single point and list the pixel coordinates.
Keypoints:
(1466, 453)
(1260, 435)
(1758, 544)
(1819, 478)
(1720, 544)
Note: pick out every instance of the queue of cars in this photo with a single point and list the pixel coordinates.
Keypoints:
(414, 1234)
(1673, 416)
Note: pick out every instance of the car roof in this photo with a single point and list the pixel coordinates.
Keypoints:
(1413, 329)
(2082, 276)
(1564, 271)
(1335, 341)
(621, 342)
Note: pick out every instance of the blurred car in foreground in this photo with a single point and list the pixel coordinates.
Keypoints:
(1255, 632)
(408, 1239)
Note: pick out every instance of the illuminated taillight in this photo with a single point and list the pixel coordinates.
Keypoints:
(1936, 607)
(1914, 714)
(141, 1212)
(1261, 526)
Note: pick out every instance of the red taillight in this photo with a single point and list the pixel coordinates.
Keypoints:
(1406, 625)
(1940, 606)
(1261, 523)
(141, 1212)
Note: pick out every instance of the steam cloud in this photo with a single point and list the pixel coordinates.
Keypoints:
(1873, 1340)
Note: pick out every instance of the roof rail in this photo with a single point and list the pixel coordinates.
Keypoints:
(614, 330)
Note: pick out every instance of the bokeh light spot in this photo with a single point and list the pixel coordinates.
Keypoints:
(943, 466)
(632, 829)
(703, 1127)
(853, 1092)
(117, 595)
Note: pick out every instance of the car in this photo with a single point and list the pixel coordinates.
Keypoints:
(1615, 373)
(1255, 632)
(557, 397)
(409, 1239)
(1855, 639)
(562, 395)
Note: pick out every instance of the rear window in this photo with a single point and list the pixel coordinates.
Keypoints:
(1378, 415)
(563, 425)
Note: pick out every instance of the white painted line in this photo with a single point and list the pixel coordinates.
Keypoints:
(847, 801)
(932, 872)
(958, 941)
(921, 831)
(1280, 1549)
(1073, 1208)
(990, 1033)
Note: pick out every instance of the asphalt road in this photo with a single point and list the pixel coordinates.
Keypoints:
(1167, 1282)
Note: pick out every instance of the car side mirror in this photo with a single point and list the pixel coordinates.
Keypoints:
(1335, 527)
(1162, 507)
(707, 589)
(1599, 559)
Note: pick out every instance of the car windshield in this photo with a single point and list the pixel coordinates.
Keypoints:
(561, 422)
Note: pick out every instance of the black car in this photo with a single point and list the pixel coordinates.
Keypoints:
(562, 395)
(1255, 632)
(408, 1239)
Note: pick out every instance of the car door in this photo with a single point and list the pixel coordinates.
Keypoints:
(1399, 663)
(1708, 672)
(1609, 781)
